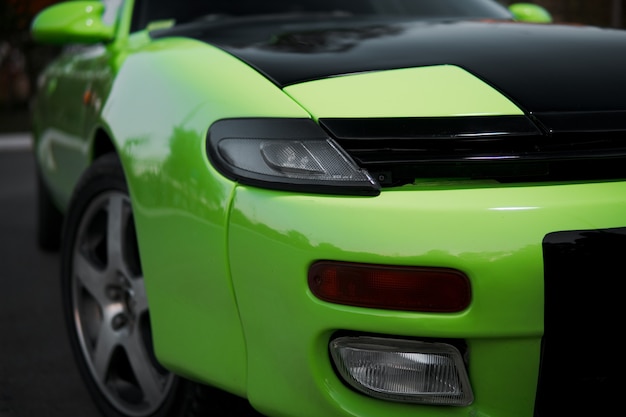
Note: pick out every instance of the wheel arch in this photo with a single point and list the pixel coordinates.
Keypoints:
(102, 144)
(169, 243)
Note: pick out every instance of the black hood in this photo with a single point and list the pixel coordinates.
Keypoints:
(542, 68)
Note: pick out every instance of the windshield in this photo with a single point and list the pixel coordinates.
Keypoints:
(184, 11)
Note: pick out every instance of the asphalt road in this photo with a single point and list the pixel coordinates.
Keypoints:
(37, 373)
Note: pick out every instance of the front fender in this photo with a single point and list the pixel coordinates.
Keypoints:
(180, 202)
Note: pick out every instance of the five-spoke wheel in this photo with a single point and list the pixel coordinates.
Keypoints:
(110, 308)
(107, 311)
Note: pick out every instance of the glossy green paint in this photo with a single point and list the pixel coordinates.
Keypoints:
(72, 90)
(72, 22)
(491, 232)
(63, 133)
(197, 330)
(226, 265)
(530, 12)
(442, 90)
(181, 204)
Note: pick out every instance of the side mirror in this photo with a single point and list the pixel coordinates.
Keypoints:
(78, 22)
(529, 12)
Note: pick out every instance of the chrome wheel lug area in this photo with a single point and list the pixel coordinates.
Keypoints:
(121, 292)
(114, 292)
(119, 321)
(121, 299)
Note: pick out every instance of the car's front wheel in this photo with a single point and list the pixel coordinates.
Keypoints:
(106, 308)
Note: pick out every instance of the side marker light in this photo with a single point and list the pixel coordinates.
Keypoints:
(437, 290)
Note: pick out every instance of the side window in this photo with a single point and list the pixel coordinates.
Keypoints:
(139, 17)
(111, 11)
(146, 11)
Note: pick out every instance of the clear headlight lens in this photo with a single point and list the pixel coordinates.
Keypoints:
(314, 160)
(403, 370)
(289, 154)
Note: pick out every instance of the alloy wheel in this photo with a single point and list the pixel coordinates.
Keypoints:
(110, 309)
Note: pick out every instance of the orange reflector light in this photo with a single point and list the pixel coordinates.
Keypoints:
(439, 290)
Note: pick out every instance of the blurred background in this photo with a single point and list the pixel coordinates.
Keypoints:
(21, 60)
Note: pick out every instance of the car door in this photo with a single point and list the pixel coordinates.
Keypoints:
(72, 93)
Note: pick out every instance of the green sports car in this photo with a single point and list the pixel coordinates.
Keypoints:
(336, 208)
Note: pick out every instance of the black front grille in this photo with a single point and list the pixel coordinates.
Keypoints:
(581, 358)
(504, 148)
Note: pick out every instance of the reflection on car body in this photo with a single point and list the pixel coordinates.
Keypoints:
(335, 208)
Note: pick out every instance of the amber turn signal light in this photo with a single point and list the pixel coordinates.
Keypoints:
(439, 290)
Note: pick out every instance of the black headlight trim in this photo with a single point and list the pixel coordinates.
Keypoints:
(251, 131)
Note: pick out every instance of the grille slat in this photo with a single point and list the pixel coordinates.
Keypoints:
(504, 148)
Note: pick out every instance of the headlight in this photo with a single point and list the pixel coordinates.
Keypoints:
(285, 154)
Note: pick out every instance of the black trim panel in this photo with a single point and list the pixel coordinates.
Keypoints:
(583, 122)
(470, 127)
(505, 148)
(269, 129)
(581, 371)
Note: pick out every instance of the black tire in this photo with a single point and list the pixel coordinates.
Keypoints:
(49, 219)
(112, 346)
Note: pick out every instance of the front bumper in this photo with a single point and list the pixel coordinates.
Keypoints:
(493, 233)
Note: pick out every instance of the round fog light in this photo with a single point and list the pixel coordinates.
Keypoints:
(403, 370)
